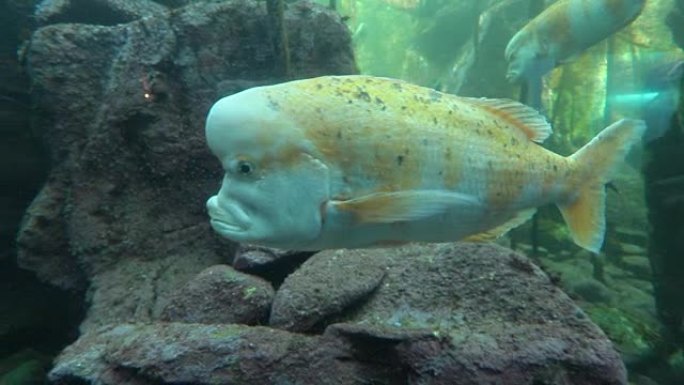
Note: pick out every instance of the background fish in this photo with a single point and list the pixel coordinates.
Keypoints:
(359, 161)
(563, 31)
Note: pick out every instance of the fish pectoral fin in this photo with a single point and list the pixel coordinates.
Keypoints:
(403, 206)
(494, 233)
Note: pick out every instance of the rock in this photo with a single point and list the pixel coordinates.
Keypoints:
(272, 264)
(42, 243)
(174, 353)
(124, 207)
(499, 318)
(220, 295)
(104, 12)
(324, 286)
(139, 290)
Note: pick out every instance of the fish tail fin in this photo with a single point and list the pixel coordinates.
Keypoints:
(595, 165)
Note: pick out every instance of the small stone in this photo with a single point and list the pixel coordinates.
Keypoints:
(220, 295)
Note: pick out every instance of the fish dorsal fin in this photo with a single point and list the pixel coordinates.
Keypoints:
(494, 233)
(526, 119)
(400, 206)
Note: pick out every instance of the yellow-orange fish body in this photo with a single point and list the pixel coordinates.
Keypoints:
(390, 162)
(564, 30)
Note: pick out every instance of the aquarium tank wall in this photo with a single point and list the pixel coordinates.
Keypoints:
(120, 262)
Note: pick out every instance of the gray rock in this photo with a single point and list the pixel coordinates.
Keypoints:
(272, 263)
(42, 242)
(324, 286)
(220, 295)
(105, 12)
(130, 173)
(497, 316)
(136, 290)
(174, 353)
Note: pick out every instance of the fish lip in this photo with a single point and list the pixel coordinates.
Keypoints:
(229, 219)
(223, 227)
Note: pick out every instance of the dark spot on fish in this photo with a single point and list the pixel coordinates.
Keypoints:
(425, 142)
(447, 153)
(489, 132)
(440, 173)
(555, 168)
(318, 109)
(435, 96)
(514, 141)
(434, 120)
(403, 108)
(319, 86)
(345, 179)
(397, 86)
(490, 164)
(378, 100)
(400, 160)
(406, 151)
(349, 101)
(363, 95)
(273, 104)
(339, 134)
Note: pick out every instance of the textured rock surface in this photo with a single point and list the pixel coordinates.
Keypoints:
(220, 295)
(443, 314)
(121, 103)
(208, 354)
(324, 286)
(503, 317)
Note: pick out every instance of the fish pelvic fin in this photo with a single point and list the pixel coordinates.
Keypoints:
(403, 206)
(595, 165)
(492, 234)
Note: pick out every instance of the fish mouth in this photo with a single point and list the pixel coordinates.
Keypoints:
(513, 76)
(227, 219)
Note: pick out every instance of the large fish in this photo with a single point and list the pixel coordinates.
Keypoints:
(359, 161)
(564, 30)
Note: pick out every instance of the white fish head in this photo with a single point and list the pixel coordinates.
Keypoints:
(527, 58)
(273, 188)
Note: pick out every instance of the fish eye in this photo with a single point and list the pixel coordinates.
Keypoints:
(244, 167)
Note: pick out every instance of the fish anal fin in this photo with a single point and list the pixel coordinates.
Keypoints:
(403, 205)
(494, 233)
(528, 121)
(585, 217)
